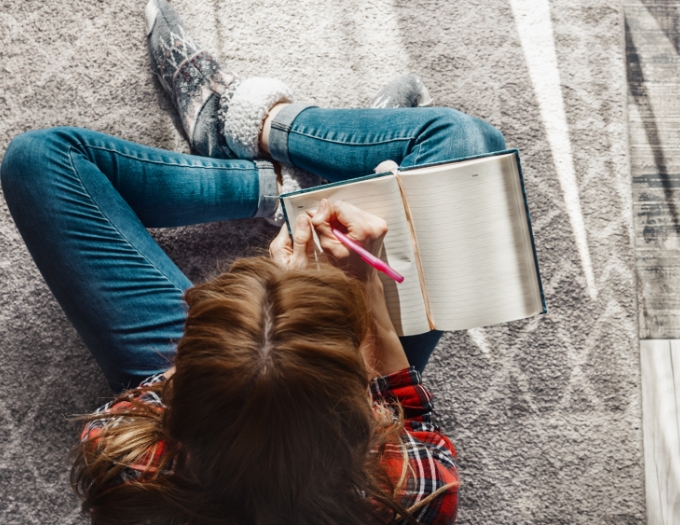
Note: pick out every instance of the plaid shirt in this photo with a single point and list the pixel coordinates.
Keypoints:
(94, 428)
(429, 454)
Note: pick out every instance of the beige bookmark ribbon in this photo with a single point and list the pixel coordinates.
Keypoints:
(416, 251)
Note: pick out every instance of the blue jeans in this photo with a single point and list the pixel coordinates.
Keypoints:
(82, 202)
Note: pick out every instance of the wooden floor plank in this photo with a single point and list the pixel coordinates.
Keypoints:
(653, 60)
(660, 364)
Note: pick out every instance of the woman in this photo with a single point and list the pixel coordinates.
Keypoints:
(291, 399)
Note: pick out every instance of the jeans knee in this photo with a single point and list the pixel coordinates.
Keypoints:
(469, 135)
(491, 139)
(17, 162)
(24, 166)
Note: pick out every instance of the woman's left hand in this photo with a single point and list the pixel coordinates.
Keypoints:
(293, 254)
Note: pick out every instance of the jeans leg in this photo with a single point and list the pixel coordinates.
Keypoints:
(82, 200)
(341, 144)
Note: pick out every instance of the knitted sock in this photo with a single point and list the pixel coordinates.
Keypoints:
(221, 116)
(191, 77)
(407, 91)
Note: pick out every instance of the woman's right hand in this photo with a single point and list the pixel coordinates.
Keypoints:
(381, 348)
(364, 228)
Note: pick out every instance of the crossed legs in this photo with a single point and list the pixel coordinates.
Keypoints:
(82, 202)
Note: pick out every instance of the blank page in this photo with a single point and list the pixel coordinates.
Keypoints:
(475, 246)
(379, 196)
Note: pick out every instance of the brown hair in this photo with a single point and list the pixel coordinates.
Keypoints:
(268, 417)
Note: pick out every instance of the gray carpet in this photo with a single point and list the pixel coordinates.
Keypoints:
(546, 412)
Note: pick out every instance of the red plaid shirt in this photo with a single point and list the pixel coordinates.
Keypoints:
(430, 454)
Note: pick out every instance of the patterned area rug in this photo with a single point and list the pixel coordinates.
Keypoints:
(545, 413)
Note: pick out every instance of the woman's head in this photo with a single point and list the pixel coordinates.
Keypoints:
(269, 397)
(268, 415)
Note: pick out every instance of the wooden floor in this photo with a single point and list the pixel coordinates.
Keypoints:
(653, 58)
(660, 363)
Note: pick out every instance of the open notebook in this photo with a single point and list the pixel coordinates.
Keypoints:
(459, 233)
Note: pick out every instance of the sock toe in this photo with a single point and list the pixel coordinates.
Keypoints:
(406, 91)
(169, 45)
(150, 13)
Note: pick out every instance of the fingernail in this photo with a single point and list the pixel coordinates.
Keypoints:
(324, 204)
(302, 220)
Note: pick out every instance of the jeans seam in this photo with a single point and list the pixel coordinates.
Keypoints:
(280, 127)
(165, 163)
(112, 226)
(415, 162)
(346, 144)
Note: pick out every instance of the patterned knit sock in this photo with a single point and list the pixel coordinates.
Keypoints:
(221, 115)
(407, 91)
(192, 78)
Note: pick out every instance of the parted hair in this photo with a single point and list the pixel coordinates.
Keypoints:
(268, 417)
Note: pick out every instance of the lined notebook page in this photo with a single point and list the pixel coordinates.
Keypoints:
(380, 196)
(474, 241)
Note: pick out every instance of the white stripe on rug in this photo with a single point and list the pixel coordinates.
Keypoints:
(534, 26)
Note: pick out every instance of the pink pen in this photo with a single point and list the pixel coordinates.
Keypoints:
(371, 259)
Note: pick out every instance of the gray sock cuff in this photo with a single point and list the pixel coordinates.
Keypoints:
(248, 108)
(269, 192)
(278, 136)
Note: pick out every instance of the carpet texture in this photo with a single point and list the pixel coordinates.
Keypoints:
(545, 413)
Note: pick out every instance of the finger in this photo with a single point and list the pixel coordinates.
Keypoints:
(283, 237)
(349, 215)
(322, 221)
(282, 240)
(321, 214)
(359, 223)
(301, 239)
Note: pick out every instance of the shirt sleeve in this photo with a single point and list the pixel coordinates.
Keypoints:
(93, 428)
(430, 454)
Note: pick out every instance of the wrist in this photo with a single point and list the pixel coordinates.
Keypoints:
(382, 348)
(374, 285)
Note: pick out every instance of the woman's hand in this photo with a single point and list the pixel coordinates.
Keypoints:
(293, 254)
(367, 230)
(381, 349)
